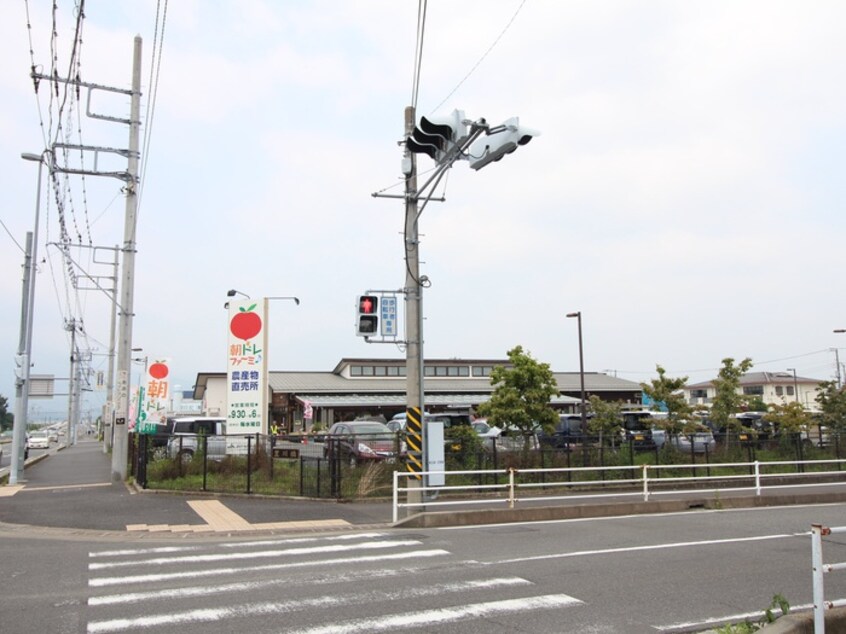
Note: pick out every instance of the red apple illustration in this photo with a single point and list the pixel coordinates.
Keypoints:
(158, 370)
(246, 324)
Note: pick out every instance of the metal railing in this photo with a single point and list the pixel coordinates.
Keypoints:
(819, 569)
(641, 481)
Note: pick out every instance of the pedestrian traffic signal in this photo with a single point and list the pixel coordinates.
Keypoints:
(436, 136)
(367, 319)
(494, 146)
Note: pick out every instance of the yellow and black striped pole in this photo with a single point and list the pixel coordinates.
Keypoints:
(414, 440)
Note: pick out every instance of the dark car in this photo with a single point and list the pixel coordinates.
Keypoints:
(637, 429)
(568, 433)
(362, 441)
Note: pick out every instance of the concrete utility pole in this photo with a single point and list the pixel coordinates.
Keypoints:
(21, 381)
(109, 407)
(120, 450)
(73, 385)
(414, 312)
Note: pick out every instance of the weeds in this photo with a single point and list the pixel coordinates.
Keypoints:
(769, 617)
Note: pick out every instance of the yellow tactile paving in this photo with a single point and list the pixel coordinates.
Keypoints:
(218, 516)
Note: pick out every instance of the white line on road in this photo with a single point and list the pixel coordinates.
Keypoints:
(630, 549)
(265, 542)
(281, 607)
(258, 554)
(414, 554)
(431, 618)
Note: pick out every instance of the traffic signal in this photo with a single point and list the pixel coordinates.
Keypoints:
(436, 136)
(367, 320)
(493, 147)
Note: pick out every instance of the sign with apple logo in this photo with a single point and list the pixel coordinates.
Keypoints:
(246, 371)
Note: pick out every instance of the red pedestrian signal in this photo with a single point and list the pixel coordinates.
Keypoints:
(367, 320)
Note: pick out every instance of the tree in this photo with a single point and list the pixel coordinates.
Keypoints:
(789, 418)
(669, 392)
(606, 419)
(727, 401)
(832, 401)
(521, 396)
(6, 417)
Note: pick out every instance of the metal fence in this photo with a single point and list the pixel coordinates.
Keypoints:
(260, 464)
(511, 485)
(327, 467)
(819, 570)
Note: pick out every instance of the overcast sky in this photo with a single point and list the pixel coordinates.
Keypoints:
(686, 194)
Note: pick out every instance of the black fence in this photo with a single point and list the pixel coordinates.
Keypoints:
(360, 467)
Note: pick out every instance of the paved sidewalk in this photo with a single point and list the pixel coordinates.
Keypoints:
(72, 489)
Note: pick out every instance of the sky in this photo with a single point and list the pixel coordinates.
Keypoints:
(685, 194)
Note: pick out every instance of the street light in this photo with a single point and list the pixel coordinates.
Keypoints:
(795, 383)
(578, 315)
(232, 292)
(22, 384)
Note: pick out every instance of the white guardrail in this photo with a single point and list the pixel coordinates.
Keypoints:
(644, 477)
(819, 569)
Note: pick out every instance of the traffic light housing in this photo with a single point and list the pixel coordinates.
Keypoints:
(367, 319)
(436, 136)
(493, 147)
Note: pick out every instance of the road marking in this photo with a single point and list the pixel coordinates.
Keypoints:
(445, 615)
(253, 554)
(98, 582)
(57, 487)
(328, 601)
(630, 549)
(10, 490)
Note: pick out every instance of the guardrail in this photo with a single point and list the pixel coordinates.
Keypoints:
(819, 569)
(646, 479)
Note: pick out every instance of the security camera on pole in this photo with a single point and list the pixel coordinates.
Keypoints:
(445, 139)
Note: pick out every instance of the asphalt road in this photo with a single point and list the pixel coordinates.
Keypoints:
(648, 573)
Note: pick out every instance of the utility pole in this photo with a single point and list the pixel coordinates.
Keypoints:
(109, 407)
(73, 383)
(21, 382)
(120, 450)
(414, 314)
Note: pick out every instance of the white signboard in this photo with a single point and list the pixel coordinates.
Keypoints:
(435, 454)
(246, 367)
(388, 316)
(154, 396)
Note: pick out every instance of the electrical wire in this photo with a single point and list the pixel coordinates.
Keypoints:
(482, 59)
(422, 5)
(155, 70)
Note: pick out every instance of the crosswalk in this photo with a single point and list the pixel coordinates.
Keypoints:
(338, 584)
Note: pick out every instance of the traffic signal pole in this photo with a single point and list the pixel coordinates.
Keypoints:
(415, 427)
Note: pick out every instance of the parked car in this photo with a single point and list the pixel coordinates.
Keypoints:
(638, 429)
(185, 440)
(362, 441)
(54, 435)
(567, 433)
(699, 441)
(39, 440)
(484, 430)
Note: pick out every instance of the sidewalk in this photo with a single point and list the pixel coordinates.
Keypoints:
(72, 489)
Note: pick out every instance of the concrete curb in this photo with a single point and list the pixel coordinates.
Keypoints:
(803, 623)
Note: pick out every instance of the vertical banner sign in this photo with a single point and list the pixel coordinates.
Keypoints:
(389, 316)
(246, 369)
(154, 397)
(122, 389)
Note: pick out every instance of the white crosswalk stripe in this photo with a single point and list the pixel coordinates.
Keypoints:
(320, 584)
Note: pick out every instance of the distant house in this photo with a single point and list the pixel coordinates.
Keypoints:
(773, 388)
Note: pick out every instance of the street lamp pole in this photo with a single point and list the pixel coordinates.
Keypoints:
(795, 384)
(22, 384)
(578, 316)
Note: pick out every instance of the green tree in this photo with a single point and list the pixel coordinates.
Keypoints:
(727, 400)
(832, 401)
(521, 396)
(669, 392)
(790, 418)
(7, 419)
(606, 420)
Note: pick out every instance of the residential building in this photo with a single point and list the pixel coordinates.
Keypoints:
(773, 388)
